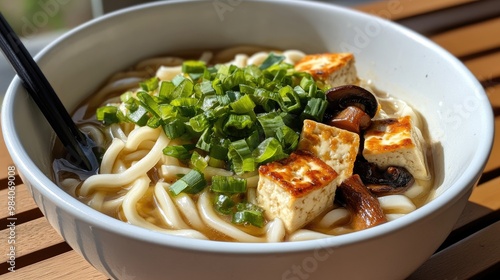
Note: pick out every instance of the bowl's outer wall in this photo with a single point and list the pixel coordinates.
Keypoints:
(392, 256)
(79, 64)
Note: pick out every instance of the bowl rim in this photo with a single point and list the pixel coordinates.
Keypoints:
(49, 190)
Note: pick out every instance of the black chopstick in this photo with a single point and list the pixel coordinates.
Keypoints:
(78, 144)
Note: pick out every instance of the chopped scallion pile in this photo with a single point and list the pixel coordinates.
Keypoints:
(235, 118)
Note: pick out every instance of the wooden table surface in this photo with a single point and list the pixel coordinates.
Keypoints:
(470, 30)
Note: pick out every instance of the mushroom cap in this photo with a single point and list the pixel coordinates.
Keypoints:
(391, 180)
(344, 96)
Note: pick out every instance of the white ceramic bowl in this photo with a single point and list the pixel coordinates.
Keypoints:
(399, 61)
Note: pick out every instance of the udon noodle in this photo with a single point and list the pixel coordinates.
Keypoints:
(135, 175)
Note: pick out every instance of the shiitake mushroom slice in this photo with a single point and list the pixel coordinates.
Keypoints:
(364, 207)
(344, 96)
(350, 107)
(392, 180)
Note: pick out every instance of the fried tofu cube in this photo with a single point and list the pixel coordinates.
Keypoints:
(296, 189)
(336, 147)
(332, 69)
(396, 142)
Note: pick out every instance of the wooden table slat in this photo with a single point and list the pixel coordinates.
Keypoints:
(482, 202)
(485, 67)
(465, 259)
(68, 265)
(471, 39)
(487, 194)
(395, 10)
(453, 17)
(494, 95)
(26, 233)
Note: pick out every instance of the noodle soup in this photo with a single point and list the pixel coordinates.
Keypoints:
(162, 170)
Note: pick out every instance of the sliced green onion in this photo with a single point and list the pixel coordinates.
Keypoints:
(241, 157)
(150, 85)
(167, 111)
(243, 105)
(127, 96)
(154, 122)
(131, 104)
(121, 116)
(223, 70)
(139, 116)
(300, 92)
(184, 89)
(206, 88)
(181, 152)
(270, 123)
(232, 81)
(149, 103)
(174, 129)
(247, 89)
(198, 162)
(193, 182)
(193, 66)
(271, 59)
(184, 102)
(253, 140)
(186, 106)
(107, 114)
(210, 102)
(252, 73)
(255, 218)
(279, 76)
(238, 125)
(223, 204)
(199, 122)
(288, 138)
(315, 109)
(204, 143)
(166, 90)
(309, 86)
(291, 100)
(178, 187)
(216, 113)
(218, 151)
(217, 86)
(269, 150)
(224, 99)
(269, 100)
(233, 95)
(228, 184)
(177, 80)
(217, 163)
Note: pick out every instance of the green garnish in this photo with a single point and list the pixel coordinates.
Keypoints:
(228, 184)
(235, 118)
(223, 204)
(192, 183)
(248, 213)
(107, 114)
